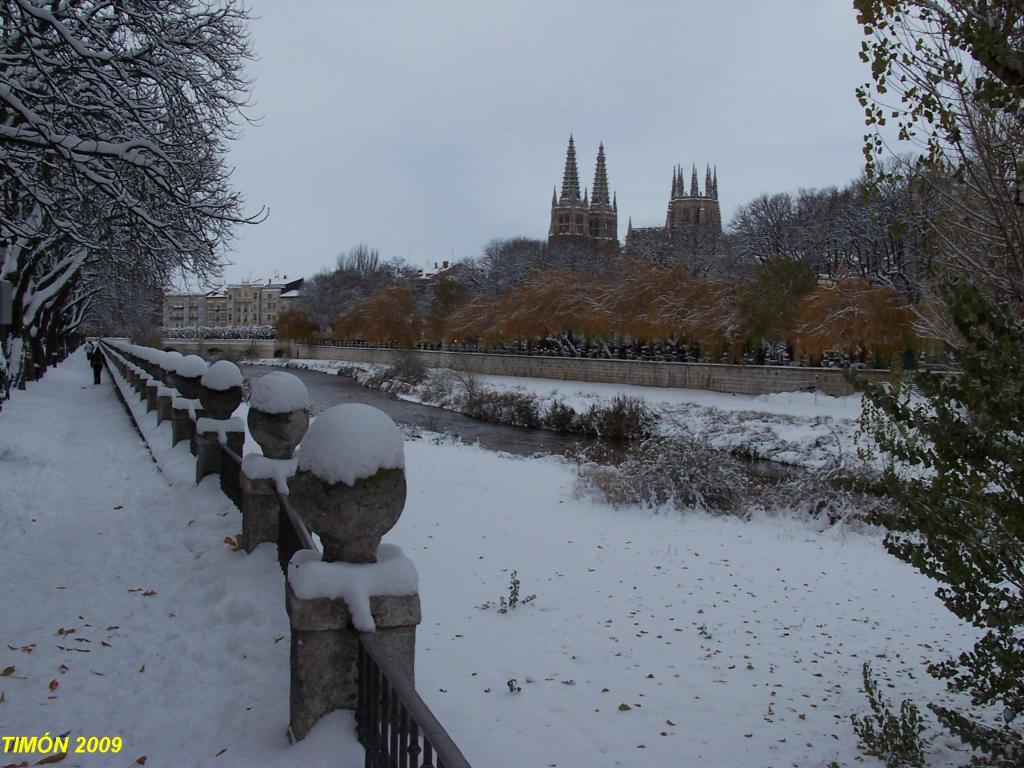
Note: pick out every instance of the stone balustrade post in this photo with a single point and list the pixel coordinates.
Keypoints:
(278, 419)
(350, 494)
(164, 405)
(152, 387)
(220, 393)
(182, 426)
(188, 375)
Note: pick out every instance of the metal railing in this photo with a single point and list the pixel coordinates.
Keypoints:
(394, 725)
(292, 533)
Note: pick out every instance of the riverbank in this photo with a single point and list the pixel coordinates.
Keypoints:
(804, 429)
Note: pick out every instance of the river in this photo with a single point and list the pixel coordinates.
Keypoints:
(326, 390)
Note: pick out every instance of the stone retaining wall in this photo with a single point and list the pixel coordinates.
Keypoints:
(736, 379)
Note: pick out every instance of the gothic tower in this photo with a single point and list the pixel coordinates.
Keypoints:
(588, 218)
(604, 214)
(692, 208)
(568, 211)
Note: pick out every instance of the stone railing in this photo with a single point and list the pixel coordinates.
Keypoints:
(353, 602)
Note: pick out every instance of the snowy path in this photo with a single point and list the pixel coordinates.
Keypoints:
(123, 612)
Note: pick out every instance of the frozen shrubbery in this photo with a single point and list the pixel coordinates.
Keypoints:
(682, 473)
(560, 417)
(515, 408)
(673, 471)
(409, 369)
(626, 418)
(220, 332)
(817, 497)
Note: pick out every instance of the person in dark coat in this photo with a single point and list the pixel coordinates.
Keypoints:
(97, 364)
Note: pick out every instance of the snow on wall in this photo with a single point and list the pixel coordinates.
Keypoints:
(351, 441)
(355, 583)
(279, 392)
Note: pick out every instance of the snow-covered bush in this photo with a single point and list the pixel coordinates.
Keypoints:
(668, 471)
(220, 332)
(626, 418)
(410, 368)
(817, 497)
(515, 408)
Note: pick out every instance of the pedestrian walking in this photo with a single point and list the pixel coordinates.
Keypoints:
(97, 364)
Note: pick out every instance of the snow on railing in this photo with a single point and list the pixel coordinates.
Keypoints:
(349, 475)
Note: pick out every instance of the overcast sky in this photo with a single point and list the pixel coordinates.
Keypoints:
(426, 129)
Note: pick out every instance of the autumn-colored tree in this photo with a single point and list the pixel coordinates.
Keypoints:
(391, 315)
(449, 296)
(856, 318)
(295, 325)
(769, 305)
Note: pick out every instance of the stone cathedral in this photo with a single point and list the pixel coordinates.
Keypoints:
(592, 218)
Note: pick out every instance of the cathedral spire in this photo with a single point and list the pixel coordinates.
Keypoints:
(600, 179)
(708, 184)
(694, 191)
(554, 196)
(586, 201)
(570, 177)
(714, 184)
(675, 182)
(615, 202)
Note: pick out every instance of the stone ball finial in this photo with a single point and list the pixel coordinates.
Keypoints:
(278, 413)
(170, 366)
(350, 485)
(190, 370)
(221, 391)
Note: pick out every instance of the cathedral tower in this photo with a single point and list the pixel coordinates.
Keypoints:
(688, 208)
(581, 218)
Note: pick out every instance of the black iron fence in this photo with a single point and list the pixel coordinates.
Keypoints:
(393, 723)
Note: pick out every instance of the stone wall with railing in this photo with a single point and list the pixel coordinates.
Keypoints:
(325, 506)
(716, 377)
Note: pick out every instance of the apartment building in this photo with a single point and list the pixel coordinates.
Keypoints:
(257, 302)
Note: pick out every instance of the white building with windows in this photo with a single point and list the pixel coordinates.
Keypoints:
(251, 302)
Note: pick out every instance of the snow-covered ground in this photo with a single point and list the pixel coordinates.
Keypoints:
(653, 639)
(808, 429)
(123, 611)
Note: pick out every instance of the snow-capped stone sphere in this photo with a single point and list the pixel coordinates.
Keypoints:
(171, 359)
(279, 392)
(349, 442)
(222, 375)
(191, 367)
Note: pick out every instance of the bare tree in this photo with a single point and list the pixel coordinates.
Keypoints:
(114, 123)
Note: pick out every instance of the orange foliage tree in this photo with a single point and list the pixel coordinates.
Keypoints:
(856, 318)
(295, 325)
